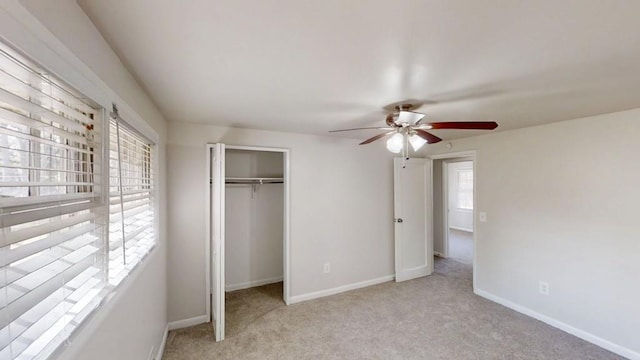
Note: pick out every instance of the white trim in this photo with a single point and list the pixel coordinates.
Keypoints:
(445, 208)
(287, 228)
(216, 191)
(340, 289)
(207, 239)
(254, 283)
(460, 228)
(185, 323)
(459, 154)
(256, 148)
(163, 343)
(474, 234)
(428, 179)
(605, 344)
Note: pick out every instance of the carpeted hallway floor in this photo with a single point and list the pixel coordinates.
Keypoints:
(437, 317)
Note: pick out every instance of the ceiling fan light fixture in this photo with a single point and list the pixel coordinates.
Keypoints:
(395, 143)
(416, 142)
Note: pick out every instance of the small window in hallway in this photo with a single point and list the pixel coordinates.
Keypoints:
(465, 189)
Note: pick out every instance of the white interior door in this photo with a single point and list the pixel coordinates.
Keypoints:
(413, 251)
(217, 240)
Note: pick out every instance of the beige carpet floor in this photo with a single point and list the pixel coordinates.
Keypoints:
(437, 317)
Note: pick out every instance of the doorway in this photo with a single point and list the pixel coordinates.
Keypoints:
(247, 233)
(454, 203)
(458, 199)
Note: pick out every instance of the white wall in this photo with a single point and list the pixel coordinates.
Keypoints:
(562, 204)
(460, 219)
(60, 36)
(254, 220)
(341, 210)
(245, 163)
(254, 235)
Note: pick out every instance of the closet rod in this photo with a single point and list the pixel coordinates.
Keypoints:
(254, 181)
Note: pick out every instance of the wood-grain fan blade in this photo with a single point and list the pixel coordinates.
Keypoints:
(462, 125)
(364, 128)
(379, 136)
(431, 139)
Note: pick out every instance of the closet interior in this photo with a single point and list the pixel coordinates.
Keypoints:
(254, 222)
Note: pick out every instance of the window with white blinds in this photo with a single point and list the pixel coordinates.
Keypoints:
(131, 224)
(53, 220)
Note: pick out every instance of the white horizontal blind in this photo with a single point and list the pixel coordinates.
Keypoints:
(131, 200)
(53, 268)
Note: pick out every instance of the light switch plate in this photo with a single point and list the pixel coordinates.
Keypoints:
(482, 216)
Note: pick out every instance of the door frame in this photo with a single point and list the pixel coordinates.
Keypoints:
(471, 155)
(286, 220)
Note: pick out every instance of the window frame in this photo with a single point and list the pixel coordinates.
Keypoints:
(459, 205)
(73, 73)
(59, 223)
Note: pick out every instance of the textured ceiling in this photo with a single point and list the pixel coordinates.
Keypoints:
(313, 66)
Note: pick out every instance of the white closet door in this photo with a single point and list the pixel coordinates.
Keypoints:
(218, 239)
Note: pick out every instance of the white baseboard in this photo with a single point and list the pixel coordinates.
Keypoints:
(606, 344)
(163, 343)
(438, 254)
(174, 325)
(339, 289)
(250, 284)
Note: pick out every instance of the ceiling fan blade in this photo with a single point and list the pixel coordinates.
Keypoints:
(363, 128)
(379, 136)
(464, 125)
(408, 117)
(431, 139)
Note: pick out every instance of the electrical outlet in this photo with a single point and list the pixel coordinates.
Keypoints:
(544, 288)
(482, 216)
(327, 268)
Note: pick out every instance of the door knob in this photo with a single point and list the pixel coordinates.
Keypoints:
(399, 220)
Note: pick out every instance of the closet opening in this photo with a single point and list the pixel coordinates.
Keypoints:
(254, 214)
(248, 234)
